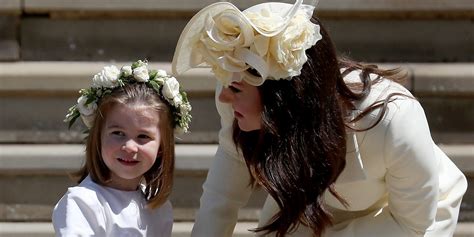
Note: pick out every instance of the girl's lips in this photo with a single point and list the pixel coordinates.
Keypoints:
(237, 114)
(127, 162)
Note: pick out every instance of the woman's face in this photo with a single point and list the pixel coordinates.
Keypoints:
(130, 144)
(246, 102)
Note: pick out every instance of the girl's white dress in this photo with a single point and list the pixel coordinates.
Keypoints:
(397, 181)
(90, 209)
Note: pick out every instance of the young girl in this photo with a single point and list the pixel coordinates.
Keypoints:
(341, 148)
(125, 182)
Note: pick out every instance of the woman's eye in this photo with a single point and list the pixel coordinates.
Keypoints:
(234, 90)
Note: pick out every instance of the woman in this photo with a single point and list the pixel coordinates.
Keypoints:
(340, 147)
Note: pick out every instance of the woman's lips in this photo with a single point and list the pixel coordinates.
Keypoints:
(127, 162)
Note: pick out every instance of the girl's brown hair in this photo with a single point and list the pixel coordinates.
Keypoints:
(159, 178)
(300, 150)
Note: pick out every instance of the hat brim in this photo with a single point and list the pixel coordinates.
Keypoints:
(189, 36)
(182, 59)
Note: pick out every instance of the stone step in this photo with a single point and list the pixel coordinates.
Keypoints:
(180, 229)
(33, 167)
(28, 159)
(381, 40)
(52, 87)
(9, 45)
(388, 30)
(44, 91)
(10, 7)
(57, 159)
(61, 77)
(340, 6)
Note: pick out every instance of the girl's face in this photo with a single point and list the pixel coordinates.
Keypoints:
(130, 144)
(246, 102)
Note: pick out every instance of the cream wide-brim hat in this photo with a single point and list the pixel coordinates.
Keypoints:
(183, 58)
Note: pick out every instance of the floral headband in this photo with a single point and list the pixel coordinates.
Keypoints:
(111, 77)
(269, 38)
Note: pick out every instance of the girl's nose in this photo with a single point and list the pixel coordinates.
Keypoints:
(130, 146)
(226, 95)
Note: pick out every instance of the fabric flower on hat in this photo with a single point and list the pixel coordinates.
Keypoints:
(223, 33)
(287, 49)
(265, 39)
(265, 20)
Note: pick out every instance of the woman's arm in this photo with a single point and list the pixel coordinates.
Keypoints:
(226, 188)
(413, 168)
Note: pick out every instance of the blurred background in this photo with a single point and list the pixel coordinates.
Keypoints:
(49, 49)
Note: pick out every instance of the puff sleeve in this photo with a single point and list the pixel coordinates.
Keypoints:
(77, 215)
(226, 188)
(411, 179)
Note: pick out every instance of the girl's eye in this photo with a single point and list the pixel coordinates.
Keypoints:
(234, 89)
(143, 136)
(118, 133)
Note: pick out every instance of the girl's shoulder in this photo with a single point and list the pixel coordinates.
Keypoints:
(78, 203)
(87, 192)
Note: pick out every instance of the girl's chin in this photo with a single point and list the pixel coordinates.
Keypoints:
(247, 128)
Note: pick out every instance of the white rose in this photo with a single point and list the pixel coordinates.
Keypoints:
(180, 130)
(126, 70)
(287, 49)
(161, 73)
(141, 74)
(106, 78)
(88, 120)
(87, 111)
(170, 88)
(84, 109)
(177, 100)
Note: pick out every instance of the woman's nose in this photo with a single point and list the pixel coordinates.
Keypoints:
(226, 95)
(130, 146)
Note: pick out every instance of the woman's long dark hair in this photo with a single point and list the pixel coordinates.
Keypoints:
(300, 150)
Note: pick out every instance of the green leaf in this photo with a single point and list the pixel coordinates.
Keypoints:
(90, 99)
(155, 86)
(73, 119)
(136, 64)
(152, 74)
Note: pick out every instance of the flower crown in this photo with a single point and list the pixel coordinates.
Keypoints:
(111, 77)
(234, 43)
